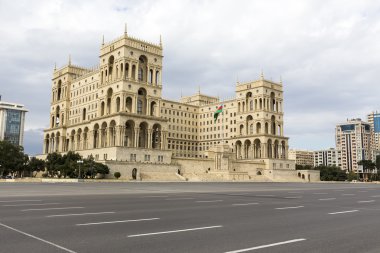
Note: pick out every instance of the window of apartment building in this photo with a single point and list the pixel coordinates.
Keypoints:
(147, 158)
(133, 157)
(160, 158)
(105, 156)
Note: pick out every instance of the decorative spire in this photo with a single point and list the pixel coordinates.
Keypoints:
(160, 40)
(237, 79)
(103, 40)
(55, 66)
(262, 75)
(199, 89)
(280, 79)
(125, 29)
(69, 59)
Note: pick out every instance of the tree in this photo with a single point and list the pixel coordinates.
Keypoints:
(368, 167)
(352, 176)
(331, 173)
(67, 166)
(36, 164)
(117, 175)
(12, 158)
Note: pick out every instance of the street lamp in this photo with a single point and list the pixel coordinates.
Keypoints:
(79, 162)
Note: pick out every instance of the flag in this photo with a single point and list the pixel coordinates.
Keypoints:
(217, 112)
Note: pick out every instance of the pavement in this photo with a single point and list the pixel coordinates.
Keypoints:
(189, 217)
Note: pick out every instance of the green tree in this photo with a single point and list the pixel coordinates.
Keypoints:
(368, 168)
(352, 176)
(12, 158)
(331, 173)
(36, 164)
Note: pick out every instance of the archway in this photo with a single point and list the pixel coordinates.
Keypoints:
(156, 136)
(129, 133)
(141, 101)
(153, 107)
(128, 104)
(96, 136)
(238, 145)
(134, 173)
(109, 101)
(269, 147)
(143, 135)
(112, 133)
(257, 148)
(247, 148)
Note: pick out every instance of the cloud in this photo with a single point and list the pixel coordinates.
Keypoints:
(327, 53)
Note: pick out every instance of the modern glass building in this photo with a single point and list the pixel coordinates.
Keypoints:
(12, 118)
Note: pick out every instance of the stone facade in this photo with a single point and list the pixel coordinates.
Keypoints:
(115, 112)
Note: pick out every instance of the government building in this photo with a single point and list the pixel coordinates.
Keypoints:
(115, 113)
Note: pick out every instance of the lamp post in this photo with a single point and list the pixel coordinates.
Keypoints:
(79, 163)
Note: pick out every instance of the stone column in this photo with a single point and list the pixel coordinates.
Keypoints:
(150, 132)
(137, 133)
(162, 138)
(134, 104)
(148, 106)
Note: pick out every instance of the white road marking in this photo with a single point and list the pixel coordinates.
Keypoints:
(154, 196)
(265, 195)
(295, 192)
(339, 190)
(38, 238)
(348, 194)
(362, 191)
(350, 211)
(23, 200)
(327, 199)
(375, 196)
(366, 201)
(175, 231)
(44, 204)
(179, 198)
(245, 204)
(320, 193)
(57, 208)
(267, 246)
(76, 214)
(295, 197)
(288, 207)
(116, 221)
(208, 201)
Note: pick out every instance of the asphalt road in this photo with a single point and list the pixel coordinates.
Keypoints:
(189, 217)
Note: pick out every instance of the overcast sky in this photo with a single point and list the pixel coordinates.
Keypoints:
(327, 53)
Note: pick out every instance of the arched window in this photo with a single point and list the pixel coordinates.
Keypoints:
(102, 109)
(150, 76)
(139, 106)
(141, 72)
(84, 114)
(157, 77)
(118, 104)
(59, 90)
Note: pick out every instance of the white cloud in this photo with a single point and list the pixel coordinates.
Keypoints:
(326, 52)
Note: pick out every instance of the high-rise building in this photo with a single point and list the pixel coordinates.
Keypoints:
(374, 121)
(353, 139)
(115, 112)
(302, 157)
(12, 119)
(328, 157)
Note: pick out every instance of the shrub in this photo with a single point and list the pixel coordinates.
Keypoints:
(117, 175)
(45, 174)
